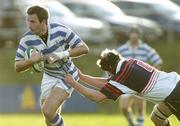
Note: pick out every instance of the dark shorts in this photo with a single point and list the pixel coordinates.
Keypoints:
(173, 101)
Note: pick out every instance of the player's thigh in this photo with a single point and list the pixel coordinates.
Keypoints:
(140, 103)
(56, 97)
(125, 101)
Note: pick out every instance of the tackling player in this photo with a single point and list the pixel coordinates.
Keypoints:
(136, 48)
(131, 76)
(58, 43)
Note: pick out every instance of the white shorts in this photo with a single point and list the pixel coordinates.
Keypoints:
(48, 82)
(165, 84)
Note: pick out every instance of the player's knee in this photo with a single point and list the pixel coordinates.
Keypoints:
(124, 109)
(47, 112)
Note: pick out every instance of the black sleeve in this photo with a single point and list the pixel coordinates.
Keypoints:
(111, 92)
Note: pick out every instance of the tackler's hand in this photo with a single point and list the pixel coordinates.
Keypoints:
(81, 75)
(69, 79)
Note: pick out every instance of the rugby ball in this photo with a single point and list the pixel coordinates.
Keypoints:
(37, 67)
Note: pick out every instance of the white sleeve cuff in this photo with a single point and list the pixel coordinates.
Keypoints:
(61, 55)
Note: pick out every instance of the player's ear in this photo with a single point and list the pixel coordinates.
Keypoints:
(44, 21)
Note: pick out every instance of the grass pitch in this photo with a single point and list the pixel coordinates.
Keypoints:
(72, 120)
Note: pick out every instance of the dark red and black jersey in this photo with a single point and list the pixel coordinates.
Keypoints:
(135, 75)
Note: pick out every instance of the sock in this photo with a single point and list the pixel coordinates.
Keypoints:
(57, 121)
(130, 118)
(168, 124)
(140, 121)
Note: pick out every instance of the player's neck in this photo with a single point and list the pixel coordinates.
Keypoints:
(44, 34)
(135, 44)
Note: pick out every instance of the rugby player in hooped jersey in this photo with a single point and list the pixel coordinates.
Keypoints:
(58, 44)
(131, 76)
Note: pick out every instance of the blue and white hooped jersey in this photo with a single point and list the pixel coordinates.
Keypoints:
(60, 38)
(143, 52)
(132, 77)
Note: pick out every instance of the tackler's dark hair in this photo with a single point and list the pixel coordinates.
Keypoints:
(109, 60)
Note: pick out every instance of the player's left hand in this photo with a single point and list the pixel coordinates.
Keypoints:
(69, 79)
(52, 58)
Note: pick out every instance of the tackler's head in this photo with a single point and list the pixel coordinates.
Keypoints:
(109, 60)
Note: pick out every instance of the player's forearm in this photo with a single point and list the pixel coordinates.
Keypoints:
(97, 82)
(23, 65)
(79, 51)
(89, 93)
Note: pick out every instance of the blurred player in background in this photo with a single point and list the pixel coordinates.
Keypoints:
(57, 43)
(135, 77)
(136, 48)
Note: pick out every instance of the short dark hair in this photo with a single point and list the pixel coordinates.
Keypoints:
(109, 60)
(135, 29)
(41, 12)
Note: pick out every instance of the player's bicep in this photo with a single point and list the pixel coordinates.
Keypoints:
(100, 97)
(97, 82)
(20, 53)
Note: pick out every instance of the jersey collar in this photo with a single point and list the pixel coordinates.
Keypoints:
(129, 44)
(120, 64)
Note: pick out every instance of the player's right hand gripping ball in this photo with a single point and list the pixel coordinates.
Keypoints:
(37, 67)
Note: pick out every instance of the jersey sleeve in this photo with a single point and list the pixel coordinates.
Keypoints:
(20, 52)
(111, 92)
(154, 57)
(72, 39)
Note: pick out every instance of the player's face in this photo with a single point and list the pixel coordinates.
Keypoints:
(110, 74)
(134, 37)
(34, 24)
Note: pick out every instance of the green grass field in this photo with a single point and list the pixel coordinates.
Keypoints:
(72, 120)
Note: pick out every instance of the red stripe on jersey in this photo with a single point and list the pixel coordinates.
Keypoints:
(151, 83)
(127, 75)
(113, 89)
(122, 73)
(125, 72)
(147, 86)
